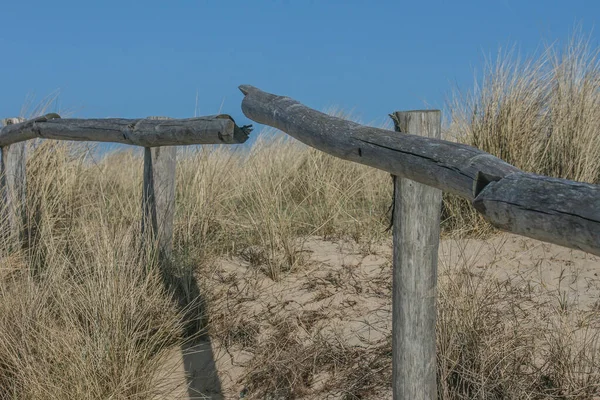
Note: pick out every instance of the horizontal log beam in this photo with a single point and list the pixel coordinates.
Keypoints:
(558, 211)
(218, 129)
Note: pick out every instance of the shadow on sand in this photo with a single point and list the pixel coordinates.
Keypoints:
(198, 357)
(201, 372)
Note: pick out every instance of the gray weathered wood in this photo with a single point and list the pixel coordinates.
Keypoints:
(451, 167)
(12, 188)
(417, 209)
(554, 210)
(445, 165)
(219, 129)
(158, 200)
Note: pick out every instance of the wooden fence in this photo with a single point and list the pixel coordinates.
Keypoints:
(158, 136)
(553, 210)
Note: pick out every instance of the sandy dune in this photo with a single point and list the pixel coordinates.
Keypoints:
(342, 291)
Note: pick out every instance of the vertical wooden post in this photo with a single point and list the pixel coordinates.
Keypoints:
(12, 189)
(416, 220)
(158, 202)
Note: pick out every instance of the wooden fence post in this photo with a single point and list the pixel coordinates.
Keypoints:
(158, 202)
(416, 231)
(12, 189)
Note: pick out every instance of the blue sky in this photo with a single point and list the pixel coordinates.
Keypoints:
(134, 59)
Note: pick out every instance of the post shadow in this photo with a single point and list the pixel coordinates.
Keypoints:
(197, 354)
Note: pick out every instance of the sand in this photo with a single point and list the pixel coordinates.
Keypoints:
(343, 291)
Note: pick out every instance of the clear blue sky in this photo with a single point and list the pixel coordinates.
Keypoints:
(135, 59)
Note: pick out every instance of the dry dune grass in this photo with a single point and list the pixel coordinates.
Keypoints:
(83, 316)
(540, 114)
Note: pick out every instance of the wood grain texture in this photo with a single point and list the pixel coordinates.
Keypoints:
(218, 129)
(553, 210)
(158, 198)
(12, 188)
(451, 167)
(415, 245)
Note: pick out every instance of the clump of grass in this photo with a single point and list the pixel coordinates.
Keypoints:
(258, 203)
(280, 368)
(287, 364)
(81, 315)
(540, 114)
(92, 328)
(485, 337)
(506, 338)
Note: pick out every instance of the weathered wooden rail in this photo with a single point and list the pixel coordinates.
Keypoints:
(145, 132)
(553, 210)
(158, 135)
